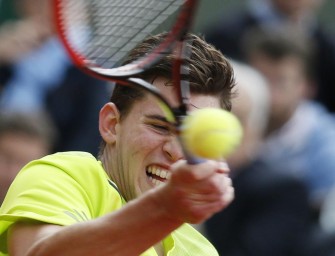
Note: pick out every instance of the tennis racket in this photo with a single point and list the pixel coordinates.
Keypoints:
(98, 34)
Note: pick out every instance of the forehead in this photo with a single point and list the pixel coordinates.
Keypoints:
(196, 100)
(269, 66)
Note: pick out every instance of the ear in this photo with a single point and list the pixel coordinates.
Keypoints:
(109, 118)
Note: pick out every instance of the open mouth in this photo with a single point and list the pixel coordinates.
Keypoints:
(157, 175)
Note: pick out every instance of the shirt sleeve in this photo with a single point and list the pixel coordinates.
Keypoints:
(60, 189)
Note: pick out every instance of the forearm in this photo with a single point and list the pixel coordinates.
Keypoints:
(129, 231)
(191, 195)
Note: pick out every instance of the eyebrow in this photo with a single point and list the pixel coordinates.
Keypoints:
(164, 120)
(170, 83)
(157, 117)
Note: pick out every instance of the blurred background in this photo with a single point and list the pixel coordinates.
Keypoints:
(212, 10)
(209, 11)
(283, 54)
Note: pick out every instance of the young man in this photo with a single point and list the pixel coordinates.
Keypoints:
(73, 204)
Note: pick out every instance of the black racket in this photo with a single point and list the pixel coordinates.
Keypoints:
(98, 34)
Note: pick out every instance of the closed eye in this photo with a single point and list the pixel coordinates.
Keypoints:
(160, 124)
(161, 128)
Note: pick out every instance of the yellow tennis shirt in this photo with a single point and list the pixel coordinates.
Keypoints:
(71, 187)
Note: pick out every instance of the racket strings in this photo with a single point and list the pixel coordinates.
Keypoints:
(103, 32)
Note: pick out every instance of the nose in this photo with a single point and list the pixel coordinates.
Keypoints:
(173, 149)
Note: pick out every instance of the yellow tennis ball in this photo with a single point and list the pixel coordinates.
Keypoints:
(211, 133)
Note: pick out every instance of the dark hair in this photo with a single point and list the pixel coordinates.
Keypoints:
(210, 72)
(280, 43)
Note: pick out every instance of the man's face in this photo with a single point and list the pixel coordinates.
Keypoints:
(145, 146)
(16, 150)
(286, 82)
(296, 8)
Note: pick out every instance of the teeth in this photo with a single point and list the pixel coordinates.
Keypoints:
(156, 182)
(163, 174)
(159, 172)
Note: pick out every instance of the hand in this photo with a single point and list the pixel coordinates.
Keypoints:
(196, 192)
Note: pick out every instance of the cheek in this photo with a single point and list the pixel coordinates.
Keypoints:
(143, 141)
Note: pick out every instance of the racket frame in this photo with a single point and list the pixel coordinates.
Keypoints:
(126, 74)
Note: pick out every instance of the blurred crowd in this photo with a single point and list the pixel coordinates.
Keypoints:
(40, 89)
(284, 170)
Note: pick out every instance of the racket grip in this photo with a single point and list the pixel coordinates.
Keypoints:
(193, 160)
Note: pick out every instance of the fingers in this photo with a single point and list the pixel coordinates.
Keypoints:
(223, 167)
(196, 192)
(210, 189)
(198, 172)
(205, 211)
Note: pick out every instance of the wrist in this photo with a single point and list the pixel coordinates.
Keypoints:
(163, 203)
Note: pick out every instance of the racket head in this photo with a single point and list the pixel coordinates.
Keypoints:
(98, 34)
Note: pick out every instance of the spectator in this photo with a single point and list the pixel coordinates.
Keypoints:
(251, 106)
(37, 75)
(23, 138)
(300, 135)
(270, 212)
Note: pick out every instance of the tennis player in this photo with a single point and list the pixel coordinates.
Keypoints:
(138, 195)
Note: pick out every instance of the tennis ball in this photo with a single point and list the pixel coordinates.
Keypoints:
(211, 133)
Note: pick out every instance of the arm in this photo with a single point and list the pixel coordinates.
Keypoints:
(192, 194)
